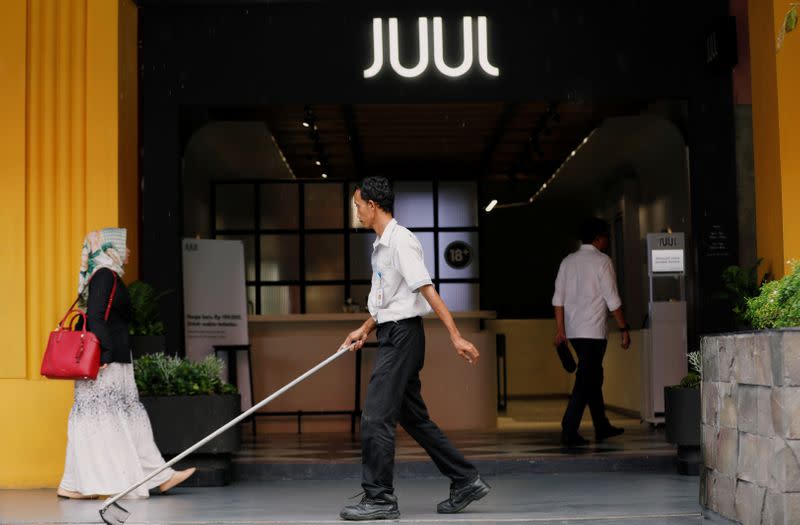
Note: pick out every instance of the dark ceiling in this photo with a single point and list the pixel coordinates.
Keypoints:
(457, 140)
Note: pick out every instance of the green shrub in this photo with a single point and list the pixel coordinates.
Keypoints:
(144, 307)
(778, 303)
(690, 380)
(740, 285)
(162, 375)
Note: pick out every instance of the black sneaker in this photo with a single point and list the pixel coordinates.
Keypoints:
(573, 440)
(384, 507)
(461, 497)
(608, 432)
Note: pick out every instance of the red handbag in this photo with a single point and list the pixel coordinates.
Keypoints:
(74, 354)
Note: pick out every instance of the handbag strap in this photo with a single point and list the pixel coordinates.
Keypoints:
(111, 297)
(108, 306)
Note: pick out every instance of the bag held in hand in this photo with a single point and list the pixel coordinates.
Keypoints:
(567, 361)
(74, 354)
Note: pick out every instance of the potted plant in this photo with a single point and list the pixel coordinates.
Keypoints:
(146, 328)
(186, 401)
(682, 420)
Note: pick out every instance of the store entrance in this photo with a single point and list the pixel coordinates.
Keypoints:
(279, 179)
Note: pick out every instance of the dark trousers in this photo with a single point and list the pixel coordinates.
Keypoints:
(394, 396)
(588, 386)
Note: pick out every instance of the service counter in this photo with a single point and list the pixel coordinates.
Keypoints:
(459, 395)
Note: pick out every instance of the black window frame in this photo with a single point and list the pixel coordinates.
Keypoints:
(301, 231)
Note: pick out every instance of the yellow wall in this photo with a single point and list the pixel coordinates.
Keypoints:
(776, 134)
(63, 122)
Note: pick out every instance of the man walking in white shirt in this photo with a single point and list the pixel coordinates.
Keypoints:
(402, 292)
(585, 290)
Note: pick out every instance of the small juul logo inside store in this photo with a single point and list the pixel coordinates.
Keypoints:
(438, 49)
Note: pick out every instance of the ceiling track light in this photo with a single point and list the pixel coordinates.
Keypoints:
(534, 145)
(308, 118)
(561, 167)
(512, 205)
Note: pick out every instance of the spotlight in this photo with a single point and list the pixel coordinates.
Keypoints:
(324, 175)
(308, 117)
(491, 205)
(318, 162)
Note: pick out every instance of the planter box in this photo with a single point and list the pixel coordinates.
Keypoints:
(682, 416)
(147, 344)
(751, 426)
(181, 421)
(683, 427)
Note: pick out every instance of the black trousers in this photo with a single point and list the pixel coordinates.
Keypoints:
(394, 396)
(588, 386)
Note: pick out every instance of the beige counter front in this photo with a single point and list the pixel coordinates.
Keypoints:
(459, 396)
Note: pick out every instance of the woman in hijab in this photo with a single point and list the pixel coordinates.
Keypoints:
(109, 439)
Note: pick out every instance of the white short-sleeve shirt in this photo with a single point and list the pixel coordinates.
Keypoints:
(586, 287)
(398, 272)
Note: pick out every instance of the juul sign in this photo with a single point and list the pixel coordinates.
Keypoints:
(438, 49)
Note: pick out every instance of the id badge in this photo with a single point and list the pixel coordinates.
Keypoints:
(379, 297)
(379, 291)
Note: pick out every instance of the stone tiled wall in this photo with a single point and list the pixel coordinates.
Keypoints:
(751, 427)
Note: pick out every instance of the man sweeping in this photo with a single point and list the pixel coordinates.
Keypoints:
(402, 292)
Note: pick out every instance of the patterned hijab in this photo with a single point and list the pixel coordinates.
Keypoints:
(104, 248)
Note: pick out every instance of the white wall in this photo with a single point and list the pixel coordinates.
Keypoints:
(534, 369)
(650, 188)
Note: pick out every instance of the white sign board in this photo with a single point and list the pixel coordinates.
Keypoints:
(667, 261)
(215, 303)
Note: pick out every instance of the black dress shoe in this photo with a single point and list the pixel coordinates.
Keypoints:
(384, 507)
(573, 440)
(463, 496)
(608, 432)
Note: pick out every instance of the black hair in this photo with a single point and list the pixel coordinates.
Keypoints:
(378, 190)
(593, 228)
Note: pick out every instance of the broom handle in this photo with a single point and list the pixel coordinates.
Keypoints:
(343, 350)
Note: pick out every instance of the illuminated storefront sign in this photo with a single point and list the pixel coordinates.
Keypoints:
(438, 49)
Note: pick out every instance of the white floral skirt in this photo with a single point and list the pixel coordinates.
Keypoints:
(109, 439)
